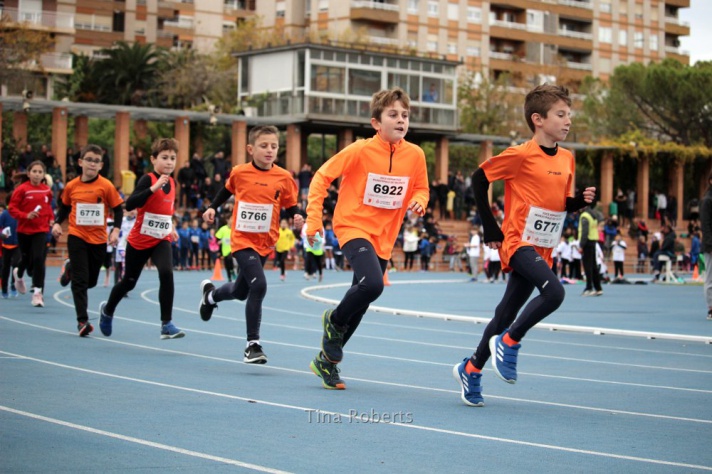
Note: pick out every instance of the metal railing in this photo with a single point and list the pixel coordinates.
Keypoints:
(40, 18)
(374, 5)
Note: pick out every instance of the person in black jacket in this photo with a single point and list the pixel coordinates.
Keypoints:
(667, 247)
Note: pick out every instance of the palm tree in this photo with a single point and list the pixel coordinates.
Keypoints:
(127, 73)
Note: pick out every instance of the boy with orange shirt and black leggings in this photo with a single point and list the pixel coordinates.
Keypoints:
(261, 190)
(86, 200)
(382, 177)
(538, 177)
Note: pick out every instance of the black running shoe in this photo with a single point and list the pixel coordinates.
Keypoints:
(85, 328)
(66, 275)
(328, 373)
(206, 309)
(254, 354)
(332, 341)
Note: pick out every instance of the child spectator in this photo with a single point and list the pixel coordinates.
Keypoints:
(618, 248)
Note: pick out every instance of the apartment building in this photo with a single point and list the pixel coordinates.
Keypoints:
(534, 40)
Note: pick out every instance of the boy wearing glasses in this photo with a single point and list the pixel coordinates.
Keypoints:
(86, 200)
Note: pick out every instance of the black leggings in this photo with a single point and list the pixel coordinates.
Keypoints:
(281, 261)
(367, 285)
(10, 258)
(33, 248)
(162, 257)
(530, 270)
(86, 261)
(250, 285)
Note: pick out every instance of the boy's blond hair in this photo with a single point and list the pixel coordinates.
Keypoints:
(386, 97)
(163, 144)
(540, 100)
(260, 130)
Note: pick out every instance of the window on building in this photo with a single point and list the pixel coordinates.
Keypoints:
(413, 6)
(407, 82)
(473, 51)
(453, 11)
(432, 46)
(362, 82)
(451, 48)
(653, 42)
(535, 20)
(638, 39)
(323, 5)
(604, 7)
(605, 34)
(474, 15)
(623, 37)
(433, 8)
(280, 9)
(119, 21)
(328, 79)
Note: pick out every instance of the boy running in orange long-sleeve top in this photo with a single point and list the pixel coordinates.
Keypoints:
(382, 177)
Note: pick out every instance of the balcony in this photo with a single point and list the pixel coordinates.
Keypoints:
(383, 41)
(183, 23)
(57, 62)
(501, 56)
(41, 19)
(231, 7)
(94, 23)
(575, 34)
(576, 3)
(364, 10)
(579, 66)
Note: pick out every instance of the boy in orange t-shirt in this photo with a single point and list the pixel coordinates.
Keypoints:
(382, 177)
(261, 190)
(86, 200)
(537, 177)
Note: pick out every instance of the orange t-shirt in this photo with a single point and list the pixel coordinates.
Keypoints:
(90, 203)
(260, 196)
(531, 178)
(379, 182)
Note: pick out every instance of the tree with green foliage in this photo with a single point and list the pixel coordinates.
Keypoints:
(487, 107)
(21, 49)
(127, 74)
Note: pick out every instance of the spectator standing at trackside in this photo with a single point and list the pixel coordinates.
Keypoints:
(588, 238)
(643, 253)
(706, 244)
(410, 246)
(285, 243)
(564, 251)
(618, 248)
(667, 247)
(223, 235)
(538, 177)
(473, 252)
(381, 179)
(86, 201)
(261, 191)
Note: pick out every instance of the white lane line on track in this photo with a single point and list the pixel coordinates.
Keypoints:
(379, 421)
(143, 442)
(380, 382)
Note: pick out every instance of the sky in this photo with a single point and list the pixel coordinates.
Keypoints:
(699, 43)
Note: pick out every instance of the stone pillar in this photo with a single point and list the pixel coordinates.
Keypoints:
(643, 188)
(122, 137)
(81, 131)
(140, 128)
(59, 137)
(181, 132)
(344, 138)
(239, 142)
(19, 129)
(294, 148)
(442, 162)
(677, 188)
(606, 191)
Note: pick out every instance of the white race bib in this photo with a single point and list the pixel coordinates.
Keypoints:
(90, 214)
(156, 225)
(385, 192)
(253, 218)
(543, 227)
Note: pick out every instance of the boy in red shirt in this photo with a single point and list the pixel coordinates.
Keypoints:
(382, 177)
(537, 176)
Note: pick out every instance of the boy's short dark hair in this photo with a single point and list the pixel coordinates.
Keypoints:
(163, 144)
(386, 97)
(91, 149)
(260, 130)
(540, 100)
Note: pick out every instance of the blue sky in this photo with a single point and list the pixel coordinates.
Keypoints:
(699, 43)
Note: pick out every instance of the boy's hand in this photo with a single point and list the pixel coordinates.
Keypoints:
(56, 231)
(209, 216)
(315, 238)
(417, 208)
(114, 236)
(589, 194)
(494, 245)
(298, 221)
(162, 181)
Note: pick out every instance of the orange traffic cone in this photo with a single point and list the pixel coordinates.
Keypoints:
(217, 271)
(385, 279)
(696, 273)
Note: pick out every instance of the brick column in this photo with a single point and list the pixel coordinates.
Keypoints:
(239, 142)
(442, 162)
(345, 138)
(181, 132)
(294, 148)
(606, 191)
(140, 128)
(59, 137)
(81, 131)
(122, 137)
(643, 188)
(19, 129)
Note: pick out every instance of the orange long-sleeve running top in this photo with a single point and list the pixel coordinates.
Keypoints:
(380, 180)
